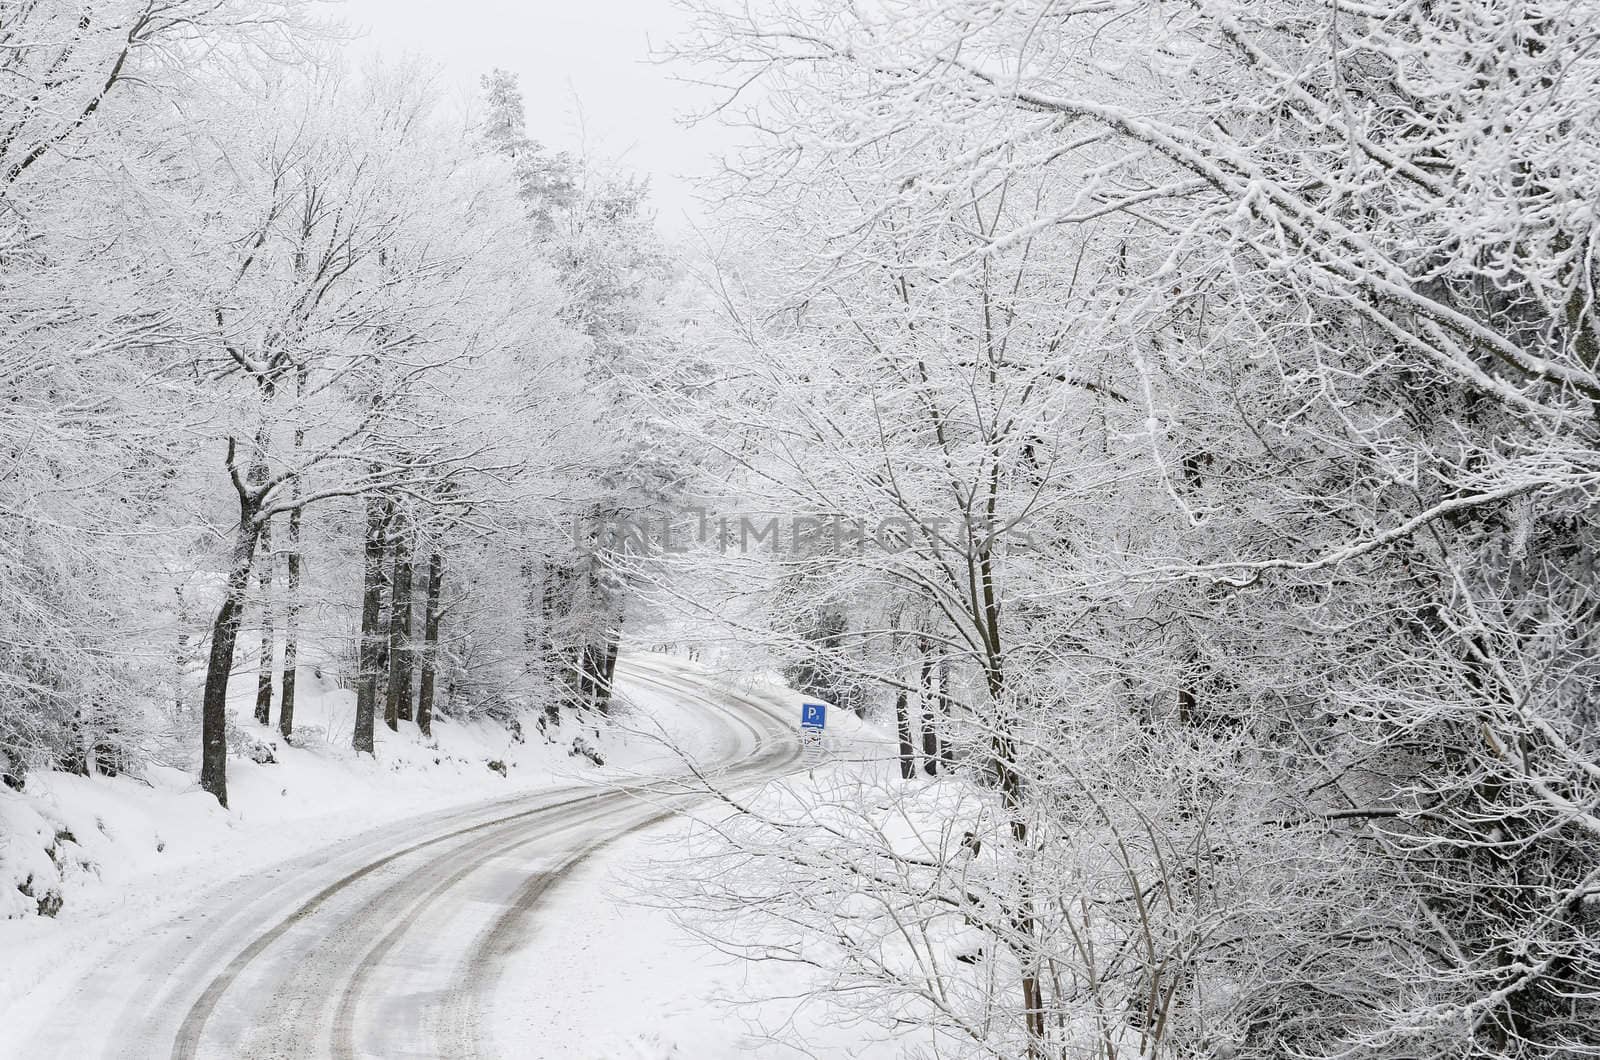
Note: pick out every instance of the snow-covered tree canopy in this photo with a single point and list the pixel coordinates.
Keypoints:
(1176, 422)
(265, 314)
(1271, 329)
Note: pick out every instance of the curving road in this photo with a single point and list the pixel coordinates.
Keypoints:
(387, 945)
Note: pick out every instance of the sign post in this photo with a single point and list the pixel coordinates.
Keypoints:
(813, 717)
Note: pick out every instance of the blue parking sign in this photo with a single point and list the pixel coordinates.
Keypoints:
(813, 715)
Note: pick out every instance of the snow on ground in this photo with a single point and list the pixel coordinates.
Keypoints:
(607, 974)
(129, 851)
(603, 975)
(609, 978)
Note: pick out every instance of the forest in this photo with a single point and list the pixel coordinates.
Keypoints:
(1213, 387)
(288, 338)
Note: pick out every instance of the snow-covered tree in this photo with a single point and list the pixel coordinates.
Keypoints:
(1296, 301)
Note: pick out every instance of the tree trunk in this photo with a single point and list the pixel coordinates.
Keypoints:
(371, 634)
(1024, 921)
(930, 735)
(291, 630)
(908, 752)
(554, 654)
(380, 664)
(291, 607)
(430, 643)
(264, 669)
(258, 474)
(609, 668)
(589, 677)
(1013, 797)
(536, 643)
(224, 636)
(945, 702)
(182, 657)
(397, 704)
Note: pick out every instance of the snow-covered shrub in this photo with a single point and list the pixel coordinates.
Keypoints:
(37, 855)
(248, 745)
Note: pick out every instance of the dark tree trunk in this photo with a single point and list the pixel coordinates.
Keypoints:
(385, 605)
(594, 653)
(371, 632)
(578, 676)
(930, 735)
(224, 637)
(1013, 797)
(589, 676)
(291, 630)
(549, 601)
(264, 669)
(946, 755)
(183, 656)
(380, 665)
(397, 704)
(609, 665)
(908, 752)
(291, 607)
(1188, 704)
(430, 644)
(555, 580)
(533, 591)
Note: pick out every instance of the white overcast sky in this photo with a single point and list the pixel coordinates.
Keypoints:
(591, 56)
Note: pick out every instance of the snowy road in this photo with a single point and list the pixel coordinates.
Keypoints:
(389, 945)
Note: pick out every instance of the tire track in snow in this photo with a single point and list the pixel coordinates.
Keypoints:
(317, 1005)
(189, 1031)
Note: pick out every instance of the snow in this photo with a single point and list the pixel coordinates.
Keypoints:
(633, 985)
(600, 974)
(141, 848)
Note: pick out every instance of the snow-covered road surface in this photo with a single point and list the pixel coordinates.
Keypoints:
(387, 945)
